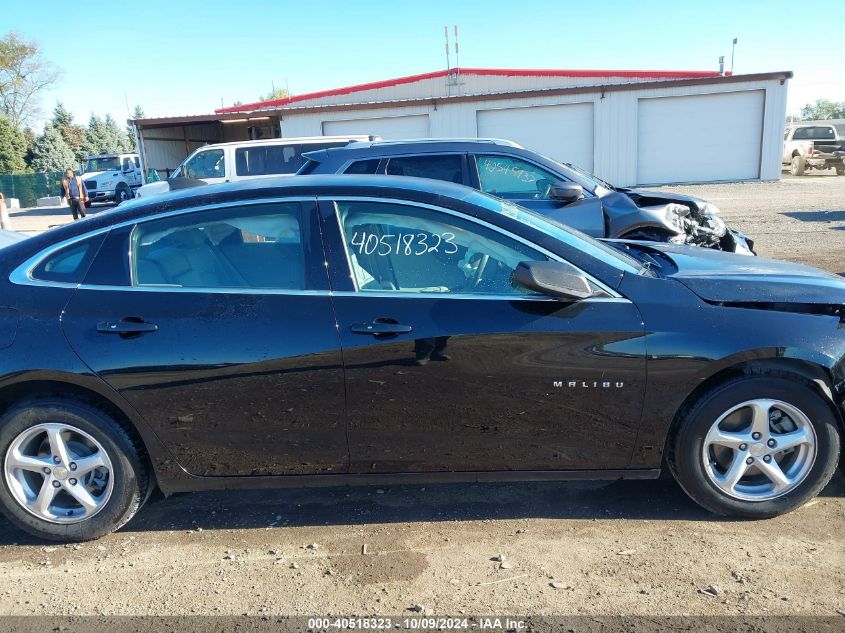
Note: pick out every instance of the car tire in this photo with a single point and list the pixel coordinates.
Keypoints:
(115, 490)
(798, 166)
(840, 170)
(122, 194)
(703, 468)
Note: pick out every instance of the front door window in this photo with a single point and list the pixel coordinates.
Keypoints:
(206, 165)
(404, 248)
(514, 179)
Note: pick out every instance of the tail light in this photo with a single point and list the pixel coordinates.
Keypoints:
(810, 150)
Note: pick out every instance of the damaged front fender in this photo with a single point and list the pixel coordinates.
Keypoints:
(676, 219)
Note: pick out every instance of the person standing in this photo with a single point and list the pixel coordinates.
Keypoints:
(74, 191)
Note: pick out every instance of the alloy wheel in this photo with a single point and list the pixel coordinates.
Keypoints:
(759, 450)
(59, 473)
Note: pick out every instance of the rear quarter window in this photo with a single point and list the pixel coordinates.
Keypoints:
(69, 264)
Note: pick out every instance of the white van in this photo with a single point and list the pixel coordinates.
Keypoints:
(242, 160)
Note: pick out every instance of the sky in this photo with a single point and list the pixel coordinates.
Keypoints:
(188, 56)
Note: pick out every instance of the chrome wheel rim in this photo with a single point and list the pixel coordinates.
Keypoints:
(759, 450)
(58, 473)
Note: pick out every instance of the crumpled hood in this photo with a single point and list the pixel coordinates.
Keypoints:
(718, 276)
(666, 196)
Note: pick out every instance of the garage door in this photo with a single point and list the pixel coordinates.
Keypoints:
(700, 138)
(392, 128)
(564, 132)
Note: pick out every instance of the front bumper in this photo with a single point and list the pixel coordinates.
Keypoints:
(99, 196)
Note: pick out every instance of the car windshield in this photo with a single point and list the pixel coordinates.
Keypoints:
(594, 180)
(566, 234)
(102, 164)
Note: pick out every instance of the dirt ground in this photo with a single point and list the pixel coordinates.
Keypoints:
(610, 548)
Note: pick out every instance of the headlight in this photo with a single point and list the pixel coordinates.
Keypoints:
(106, 184)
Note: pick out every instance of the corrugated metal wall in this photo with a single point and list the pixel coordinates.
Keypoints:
(615, 120)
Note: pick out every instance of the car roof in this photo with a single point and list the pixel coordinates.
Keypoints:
(412, 146)
(295, 140)
(400, 187)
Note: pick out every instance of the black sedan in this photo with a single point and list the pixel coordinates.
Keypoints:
(335, 329)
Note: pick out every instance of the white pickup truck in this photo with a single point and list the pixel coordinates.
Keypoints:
(813, 147)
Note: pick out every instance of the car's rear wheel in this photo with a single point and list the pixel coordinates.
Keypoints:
(70, 472)
(797, 166)
(756, 447)
(840, 170)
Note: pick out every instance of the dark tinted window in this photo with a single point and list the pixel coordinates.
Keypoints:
(820, 133)
(368, 166)
(447, 167)
(70, 263)
(266, 160)
(257, 246)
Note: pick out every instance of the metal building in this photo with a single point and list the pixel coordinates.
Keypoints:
(629, 127)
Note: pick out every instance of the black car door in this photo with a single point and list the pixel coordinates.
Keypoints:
(449, 367)
(218, 329)
(528, 184)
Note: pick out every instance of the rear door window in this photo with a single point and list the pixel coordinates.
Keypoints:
(448, 167)
(255, 246)
(269, 160)
(369, 166)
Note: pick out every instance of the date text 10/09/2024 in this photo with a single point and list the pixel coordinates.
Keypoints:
(421, 623)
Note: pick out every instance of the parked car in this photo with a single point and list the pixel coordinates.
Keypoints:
(560, 191)
(10, 237)
(244, 160)
(112, 177)
(340, 330)
(813, 147)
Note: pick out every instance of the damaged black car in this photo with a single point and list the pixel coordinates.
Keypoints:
(327, 330)
(562, 192)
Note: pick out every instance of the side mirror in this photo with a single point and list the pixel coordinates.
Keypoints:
(554, 279)
(565, 192)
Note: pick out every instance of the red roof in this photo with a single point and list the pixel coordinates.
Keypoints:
(512, 72)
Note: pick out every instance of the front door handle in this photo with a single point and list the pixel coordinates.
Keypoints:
(127, 326)
(381, 328)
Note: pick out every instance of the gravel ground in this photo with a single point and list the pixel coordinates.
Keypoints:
(633, 548)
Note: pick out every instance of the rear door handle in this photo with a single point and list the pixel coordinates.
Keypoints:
(126, 326)
(381, 328)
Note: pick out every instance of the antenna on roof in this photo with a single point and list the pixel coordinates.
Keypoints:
(446, 33)
(457, 50)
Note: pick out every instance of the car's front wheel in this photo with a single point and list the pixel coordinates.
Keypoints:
(756, 447)
(70, 472)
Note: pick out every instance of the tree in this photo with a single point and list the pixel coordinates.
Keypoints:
(823, 109)
(51, 153)
(12, 147)
(137, 113)
(24, 75)
(103, 136)
(72, 133)
(274, 94)
(117, 137)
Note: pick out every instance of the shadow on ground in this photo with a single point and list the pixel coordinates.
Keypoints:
(817, 216)
(585, 501)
